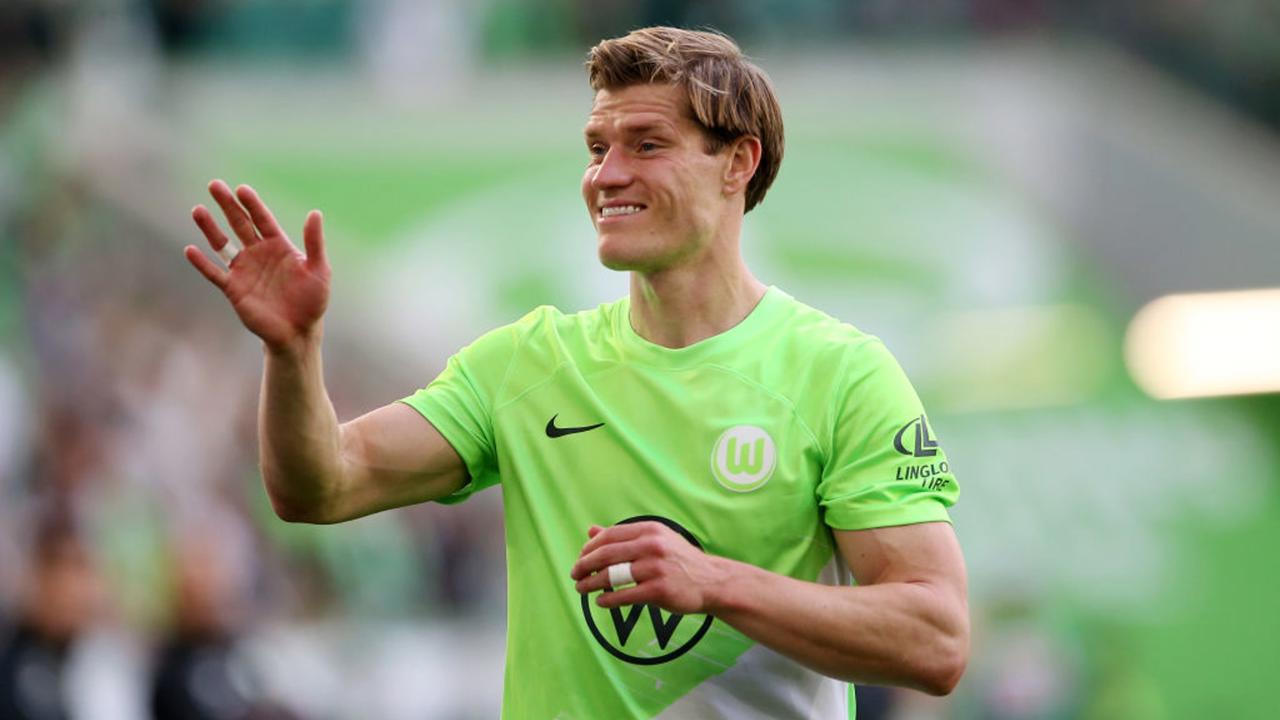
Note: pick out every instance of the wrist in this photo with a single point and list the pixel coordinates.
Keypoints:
(299, 348)
(727, 585)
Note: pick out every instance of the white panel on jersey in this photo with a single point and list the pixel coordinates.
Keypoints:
(765, 685)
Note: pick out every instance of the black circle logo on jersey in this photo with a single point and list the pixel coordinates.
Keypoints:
(664, 632)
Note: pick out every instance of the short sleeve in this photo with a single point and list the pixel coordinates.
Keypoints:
(886, 466)
(460, 402)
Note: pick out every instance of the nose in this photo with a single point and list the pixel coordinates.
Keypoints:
(614, 170)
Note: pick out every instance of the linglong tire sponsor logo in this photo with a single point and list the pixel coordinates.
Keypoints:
(630, 638)
(925, 445)
(933, 475)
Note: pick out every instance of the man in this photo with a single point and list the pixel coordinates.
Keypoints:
(62, 599)
(729, 455)
(200, 671)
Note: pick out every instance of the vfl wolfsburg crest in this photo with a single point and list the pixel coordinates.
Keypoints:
(743, 458)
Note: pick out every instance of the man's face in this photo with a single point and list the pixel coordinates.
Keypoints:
(654, 193)
(65, 592)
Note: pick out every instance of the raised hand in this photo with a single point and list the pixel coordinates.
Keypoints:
(279, 293)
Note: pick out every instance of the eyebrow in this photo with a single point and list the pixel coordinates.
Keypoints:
(642, 127)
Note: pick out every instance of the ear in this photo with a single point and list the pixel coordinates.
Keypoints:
(744, 158)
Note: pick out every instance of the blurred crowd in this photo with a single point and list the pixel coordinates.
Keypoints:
(137, 550)
(131, 514)
(1231, 50)
(129, 498)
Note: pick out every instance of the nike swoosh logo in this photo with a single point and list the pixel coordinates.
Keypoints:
(555, 432)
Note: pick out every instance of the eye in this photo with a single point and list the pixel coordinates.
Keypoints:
(647, 146)
(596, 151)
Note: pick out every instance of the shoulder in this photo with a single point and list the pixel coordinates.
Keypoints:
(548, 318)
(544, 340)
(831, 366)
(546, 328)
(545, 322)
(818, 333)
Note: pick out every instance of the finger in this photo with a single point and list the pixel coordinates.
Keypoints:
(313, 239)
(641, 570)
(634, 595)
(592, 583)
(207, 268)
(262, 218)
(239, 220)
(603, 557)
(615, 533)
(594, 530)
(209, 226)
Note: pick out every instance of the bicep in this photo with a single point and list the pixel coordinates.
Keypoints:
(392, 457)
(924, 553)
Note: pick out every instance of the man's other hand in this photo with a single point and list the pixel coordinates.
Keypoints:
(669, 572)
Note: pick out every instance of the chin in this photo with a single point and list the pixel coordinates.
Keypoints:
(619, 261)
(641, 253)
(617, 253)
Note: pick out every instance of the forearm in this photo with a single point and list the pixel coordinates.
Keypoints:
(298, 432)
(912, 634)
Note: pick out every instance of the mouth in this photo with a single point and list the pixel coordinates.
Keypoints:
(619, 211)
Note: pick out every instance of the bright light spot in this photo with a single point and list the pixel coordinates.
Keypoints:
(1207, 344)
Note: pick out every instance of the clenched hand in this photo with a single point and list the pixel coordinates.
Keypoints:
(669, 571)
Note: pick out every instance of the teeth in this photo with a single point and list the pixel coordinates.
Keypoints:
(620, 210)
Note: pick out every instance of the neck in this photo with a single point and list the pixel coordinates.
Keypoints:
(677, 307)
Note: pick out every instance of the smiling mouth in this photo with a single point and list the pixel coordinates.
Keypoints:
(620, 210)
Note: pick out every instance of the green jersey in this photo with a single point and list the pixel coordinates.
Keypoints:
(753, 444)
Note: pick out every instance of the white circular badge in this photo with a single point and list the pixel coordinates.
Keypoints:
(743, 458)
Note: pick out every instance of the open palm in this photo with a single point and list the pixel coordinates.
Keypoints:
(279, 293)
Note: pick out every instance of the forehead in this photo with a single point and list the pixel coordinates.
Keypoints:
(639, 106)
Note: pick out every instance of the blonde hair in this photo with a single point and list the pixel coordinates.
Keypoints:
(729, 96)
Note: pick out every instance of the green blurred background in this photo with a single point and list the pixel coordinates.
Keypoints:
(993, 187)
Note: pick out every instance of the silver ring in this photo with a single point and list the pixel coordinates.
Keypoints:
(228, 252)
(620, 575)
